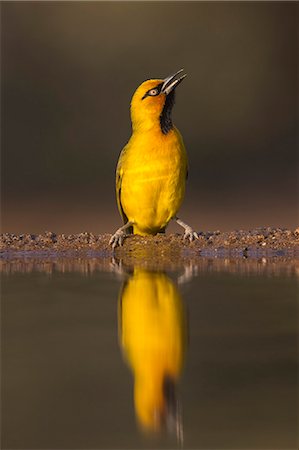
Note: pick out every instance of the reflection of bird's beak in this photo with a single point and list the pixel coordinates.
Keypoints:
(172, 419)
(172, 82)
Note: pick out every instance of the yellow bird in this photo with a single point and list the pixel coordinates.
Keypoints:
(152, 332)
(152, 167)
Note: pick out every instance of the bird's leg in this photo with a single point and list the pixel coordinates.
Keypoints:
(189, 233)
(119, 236)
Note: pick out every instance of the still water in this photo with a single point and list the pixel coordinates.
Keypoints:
(100, 355)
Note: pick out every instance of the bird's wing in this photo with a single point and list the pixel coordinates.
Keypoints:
(119, 175)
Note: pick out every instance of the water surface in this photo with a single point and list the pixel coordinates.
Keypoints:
(98, 355)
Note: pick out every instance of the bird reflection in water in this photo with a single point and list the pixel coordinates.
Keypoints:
(152, 332)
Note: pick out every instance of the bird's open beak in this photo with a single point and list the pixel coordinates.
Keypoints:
(172, 82)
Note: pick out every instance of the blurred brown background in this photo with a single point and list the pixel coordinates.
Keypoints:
(69, 71)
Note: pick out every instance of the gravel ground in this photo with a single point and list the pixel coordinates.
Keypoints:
(253, 243)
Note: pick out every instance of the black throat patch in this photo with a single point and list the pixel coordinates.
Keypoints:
(165, 117)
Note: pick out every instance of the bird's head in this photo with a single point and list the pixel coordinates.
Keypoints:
(157, 406)
(153, 101)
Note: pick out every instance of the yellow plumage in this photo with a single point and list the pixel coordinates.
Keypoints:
(152, 167)
(151, 179)
(152, 335)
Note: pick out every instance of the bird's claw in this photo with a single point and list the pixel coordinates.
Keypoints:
(190, 234)
(117, 239)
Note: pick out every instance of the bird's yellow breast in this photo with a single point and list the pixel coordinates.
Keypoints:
(153, 170)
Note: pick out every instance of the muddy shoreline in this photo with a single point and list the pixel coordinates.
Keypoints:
(259, 242)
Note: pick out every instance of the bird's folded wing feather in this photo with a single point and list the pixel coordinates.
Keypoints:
(119, 175)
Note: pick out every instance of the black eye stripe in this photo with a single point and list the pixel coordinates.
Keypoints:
(147, 94)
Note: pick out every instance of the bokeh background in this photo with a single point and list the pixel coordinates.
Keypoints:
(69, 70)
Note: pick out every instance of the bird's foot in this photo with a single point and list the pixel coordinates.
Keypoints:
(190, 234)
(117, 238)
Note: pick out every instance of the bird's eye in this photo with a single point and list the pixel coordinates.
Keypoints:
(153, 92)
